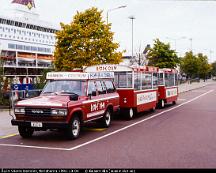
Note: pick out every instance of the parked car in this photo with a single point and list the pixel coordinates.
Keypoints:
(68, 100)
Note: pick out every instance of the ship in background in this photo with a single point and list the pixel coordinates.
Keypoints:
(26, 43)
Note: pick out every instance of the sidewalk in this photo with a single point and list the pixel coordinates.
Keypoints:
(5, 125)
(188, 87)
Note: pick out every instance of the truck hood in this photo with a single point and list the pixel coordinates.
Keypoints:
(46, 101)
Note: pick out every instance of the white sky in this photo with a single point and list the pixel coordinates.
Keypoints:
(168, 20)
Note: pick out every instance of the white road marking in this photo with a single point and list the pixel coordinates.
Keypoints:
(109, 134)
(181, 99)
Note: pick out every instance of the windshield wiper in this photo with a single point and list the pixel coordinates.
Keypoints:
(65, 92)
(48, 92)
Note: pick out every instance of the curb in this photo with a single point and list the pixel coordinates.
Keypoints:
(195, 88)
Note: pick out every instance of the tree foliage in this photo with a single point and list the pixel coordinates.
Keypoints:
(213, 69)
(189, 65)
(86, 41)
(204, 67)
(195, 65)
(162, 56)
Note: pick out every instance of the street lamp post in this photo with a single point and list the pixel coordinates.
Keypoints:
(132, 18)
(123, 6)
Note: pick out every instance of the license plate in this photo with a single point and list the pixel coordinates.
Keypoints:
(36, 124)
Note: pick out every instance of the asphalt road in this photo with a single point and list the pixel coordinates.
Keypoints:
(178, 136)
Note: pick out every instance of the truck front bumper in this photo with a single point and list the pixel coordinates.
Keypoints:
(45, 125)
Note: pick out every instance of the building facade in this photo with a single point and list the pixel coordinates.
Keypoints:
(26, 43)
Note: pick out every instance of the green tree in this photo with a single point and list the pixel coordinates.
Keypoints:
(204, 67)
(41, 81)
(86, 41)
(189, 65)
(162, 56)
(213, 69)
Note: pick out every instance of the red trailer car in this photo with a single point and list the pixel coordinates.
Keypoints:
(137, 86)
(167, 87)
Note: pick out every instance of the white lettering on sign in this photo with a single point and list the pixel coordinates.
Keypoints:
(106, 68)
(97, 106)
(67, 75)
(171, 92)
(146, 97)
(97, 75)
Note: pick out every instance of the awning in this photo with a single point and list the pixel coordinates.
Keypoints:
(26, 60)
(43, 61)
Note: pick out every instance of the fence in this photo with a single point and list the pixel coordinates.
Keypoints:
(17, 95)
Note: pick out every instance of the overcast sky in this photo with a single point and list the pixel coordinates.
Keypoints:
(189, 24)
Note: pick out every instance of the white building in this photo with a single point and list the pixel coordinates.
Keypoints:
(26, 42)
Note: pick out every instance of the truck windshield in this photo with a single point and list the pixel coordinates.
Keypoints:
(64, 87)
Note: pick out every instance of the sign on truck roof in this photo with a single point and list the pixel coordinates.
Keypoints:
(78, 75)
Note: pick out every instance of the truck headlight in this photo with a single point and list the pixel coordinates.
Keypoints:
(59, 112)
(18, 110)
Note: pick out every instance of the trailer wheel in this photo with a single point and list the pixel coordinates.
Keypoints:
(130, 113)
(25, 132)
(74, 130)
(106, 120)
(153, 109)
(161, 103)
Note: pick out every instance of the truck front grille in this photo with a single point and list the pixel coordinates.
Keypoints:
(38, 112)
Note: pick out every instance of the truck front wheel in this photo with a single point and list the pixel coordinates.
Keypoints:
(74, 130)
(25, 132)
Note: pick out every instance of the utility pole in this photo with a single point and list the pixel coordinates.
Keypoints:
(132, 18)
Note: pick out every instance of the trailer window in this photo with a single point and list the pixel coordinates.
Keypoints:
(147, 81)
(123, 79)
(169, 79)
(137, 81)
(155, 80)
(161, 79)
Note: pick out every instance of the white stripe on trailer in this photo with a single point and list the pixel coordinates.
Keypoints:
(171, 92)
(147, 97)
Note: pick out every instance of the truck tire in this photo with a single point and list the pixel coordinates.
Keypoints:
(106, 120)
(25, 132)
(73, 131)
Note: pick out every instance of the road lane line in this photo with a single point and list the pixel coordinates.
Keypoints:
(181, 99)
(8, 136)
(34, 147)
(109, 134)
